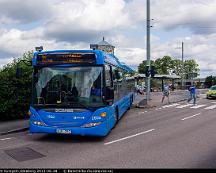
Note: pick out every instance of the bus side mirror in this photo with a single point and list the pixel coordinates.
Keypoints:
(19, 72)
(109, 97)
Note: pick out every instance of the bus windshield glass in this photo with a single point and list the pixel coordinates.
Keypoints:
(79, 87)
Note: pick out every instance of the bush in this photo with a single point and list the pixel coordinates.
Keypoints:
(15, 94)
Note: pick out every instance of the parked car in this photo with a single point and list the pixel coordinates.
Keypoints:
(211, 92)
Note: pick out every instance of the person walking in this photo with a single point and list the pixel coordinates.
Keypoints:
(139, 90)
(192, 90)
(166, 92)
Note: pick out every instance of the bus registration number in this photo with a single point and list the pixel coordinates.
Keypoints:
(62, 131)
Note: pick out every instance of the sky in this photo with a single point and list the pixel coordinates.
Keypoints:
(75, 24)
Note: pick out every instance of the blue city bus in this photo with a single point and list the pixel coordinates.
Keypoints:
(79, 92)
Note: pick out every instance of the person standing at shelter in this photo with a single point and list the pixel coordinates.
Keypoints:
(192, 90)
(166, 92)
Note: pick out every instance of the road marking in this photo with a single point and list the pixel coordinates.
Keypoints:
(167, 106)
(213, 102)
(142, 112)
(183, 106)
(211, 107)
(190, 116)
(5, 139)
(197, 106)
(121, 139)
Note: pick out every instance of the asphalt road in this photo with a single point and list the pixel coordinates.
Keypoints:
(170, 136)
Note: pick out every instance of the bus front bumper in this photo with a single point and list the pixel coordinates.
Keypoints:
(99, 130)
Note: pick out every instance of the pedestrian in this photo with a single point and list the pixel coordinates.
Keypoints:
(192, 94)
(166, 92)
(139, 90)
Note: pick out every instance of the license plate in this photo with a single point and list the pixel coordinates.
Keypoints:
(62, 131)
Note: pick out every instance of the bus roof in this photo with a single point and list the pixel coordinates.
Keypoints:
(101, 57)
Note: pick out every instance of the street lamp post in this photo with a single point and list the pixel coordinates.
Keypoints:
(182, 70)
(182, 82)
(148, 26)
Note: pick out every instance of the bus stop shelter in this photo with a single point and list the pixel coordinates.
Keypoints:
(172, 77)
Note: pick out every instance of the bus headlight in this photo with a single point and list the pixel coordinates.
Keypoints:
(39, 123)
(91, 125)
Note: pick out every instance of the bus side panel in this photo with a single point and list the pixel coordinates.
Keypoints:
(123, 104)
(111, 117)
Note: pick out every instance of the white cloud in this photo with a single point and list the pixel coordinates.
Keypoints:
(84, 20)
(197, 16)
(25, 11)
(199, 47)
(64, 24)
(132, 56)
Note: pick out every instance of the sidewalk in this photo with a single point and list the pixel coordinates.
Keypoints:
(14, 126)
(156, 98)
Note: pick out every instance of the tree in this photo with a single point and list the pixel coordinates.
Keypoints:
(209, 81)
(168, 65)
(15, 93)
(177, 67)
(191, 69)
(142, 66)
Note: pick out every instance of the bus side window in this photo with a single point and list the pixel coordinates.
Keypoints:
(108, 76)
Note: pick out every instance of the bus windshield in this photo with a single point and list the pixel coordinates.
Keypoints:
(77, 87)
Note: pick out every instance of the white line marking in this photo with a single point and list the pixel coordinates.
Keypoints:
(167, 106)
(197, 106)
(190, 116)
(183, 106)
(5, 139)
(129, 137)
(211, 107)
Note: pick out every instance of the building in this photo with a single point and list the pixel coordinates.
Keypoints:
(104, 46)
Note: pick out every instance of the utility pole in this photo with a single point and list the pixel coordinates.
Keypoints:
(148, 50)
(182, 82)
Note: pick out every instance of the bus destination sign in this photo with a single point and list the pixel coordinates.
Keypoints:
(69, 58)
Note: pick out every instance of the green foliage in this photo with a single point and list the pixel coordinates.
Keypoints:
(15, 93)
(142, 66)
(191, 69)
(209, 81)
(167, 65)
(164, 65)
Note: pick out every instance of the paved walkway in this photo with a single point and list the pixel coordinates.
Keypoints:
(156, 98)
(7, 127)
(13, 126)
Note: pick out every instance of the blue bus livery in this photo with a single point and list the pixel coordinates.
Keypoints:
(78, 92)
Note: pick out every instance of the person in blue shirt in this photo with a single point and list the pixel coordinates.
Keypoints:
(192, 90)
(95, 91)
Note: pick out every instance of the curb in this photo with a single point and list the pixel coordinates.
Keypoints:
(146, 106)
(14, 131)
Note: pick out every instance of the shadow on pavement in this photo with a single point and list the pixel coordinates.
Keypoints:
(68, 138)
